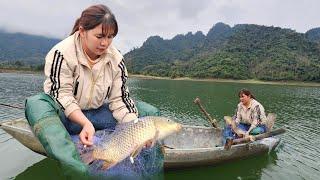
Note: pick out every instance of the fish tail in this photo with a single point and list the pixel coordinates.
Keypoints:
(87, 157)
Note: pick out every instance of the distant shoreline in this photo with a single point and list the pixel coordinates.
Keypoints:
(247, 81)
(19, 71)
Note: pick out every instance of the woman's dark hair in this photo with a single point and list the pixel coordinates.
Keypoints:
(95, 15)
(246, 92)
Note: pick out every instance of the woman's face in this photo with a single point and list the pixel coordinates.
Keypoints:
(94, 42)
(244, 99)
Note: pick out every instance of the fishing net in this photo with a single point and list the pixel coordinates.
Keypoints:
(147, 165)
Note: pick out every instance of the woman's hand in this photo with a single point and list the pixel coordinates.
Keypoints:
(86, 134)
(251, 138)
(240, 133)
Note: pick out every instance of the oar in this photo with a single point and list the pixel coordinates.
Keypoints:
(12, 106)
(255, 137)
(212, 121)
(259, 136)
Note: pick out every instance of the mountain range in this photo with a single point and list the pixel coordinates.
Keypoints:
(24, 48)
(244, 51)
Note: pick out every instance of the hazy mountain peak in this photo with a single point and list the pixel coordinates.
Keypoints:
(313, 34)
(30, 49)
(218, 29)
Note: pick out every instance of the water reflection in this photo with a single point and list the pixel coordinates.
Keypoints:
(251, 168)
(44, 169)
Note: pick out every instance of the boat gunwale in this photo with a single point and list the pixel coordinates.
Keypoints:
(5, 124)
(207, 149)
(199, 127)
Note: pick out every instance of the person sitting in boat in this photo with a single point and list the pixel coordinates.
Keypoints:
(249, 118)
(85, 70)
(86, 78)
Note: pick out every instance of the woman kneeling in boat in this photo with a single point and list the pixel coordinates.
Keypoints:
(249, 119)
(85, 70)
(85, 88)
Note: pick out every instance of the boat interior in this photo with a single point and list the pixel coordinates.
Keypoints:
(194, 137)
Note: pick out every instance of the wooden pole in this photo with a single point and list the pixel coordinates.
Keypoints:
(259, 136)
(212, 121)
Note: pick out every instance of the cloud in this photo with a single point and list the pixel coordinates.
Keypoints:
(143, 18)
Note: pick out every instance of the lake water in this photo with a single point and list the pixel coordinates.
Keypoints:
(297, 109)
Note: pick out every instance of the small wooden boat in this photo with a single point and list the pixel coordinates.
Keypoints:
(192, 146)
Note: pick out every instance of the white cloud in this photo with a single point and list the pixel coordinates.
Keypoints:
(143, 18)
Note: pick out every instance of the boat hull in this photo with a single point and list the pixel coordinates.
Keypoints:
(193, 146)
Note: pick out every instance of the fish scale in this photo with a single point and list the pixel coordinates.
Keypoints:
(126, 140)
(129, 137)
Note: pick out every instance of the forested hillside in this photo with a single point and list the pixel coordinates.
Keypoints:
(23, 50)
(245, 51)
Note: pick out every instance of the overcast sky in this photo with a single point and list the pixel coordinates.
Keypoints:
(139, 19)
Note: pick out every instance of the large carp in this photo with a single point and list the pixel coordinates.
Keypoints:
(129, 138)
(232, 123)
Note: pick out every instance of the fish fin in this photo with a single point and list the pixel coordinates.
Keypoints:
(87, 157)
(107, 164)
(135, 153)
(121, 126)
(131, 160)
(154, 140)
(163, 149)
